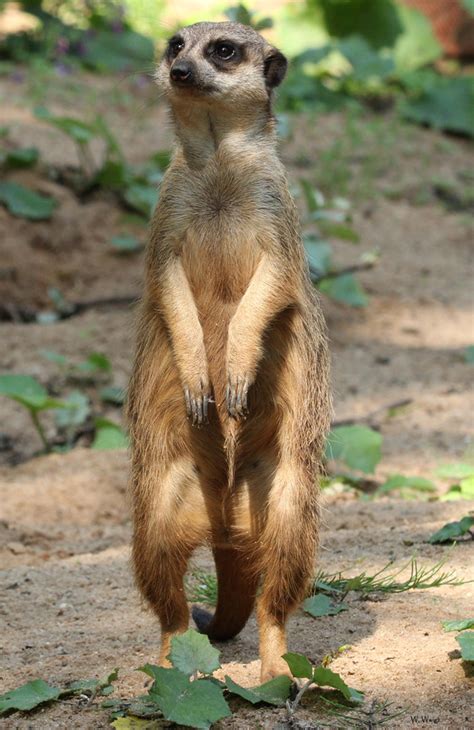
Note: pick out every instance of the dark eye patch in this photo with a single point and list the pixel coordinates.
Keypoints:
(224, 53)
(175, 45)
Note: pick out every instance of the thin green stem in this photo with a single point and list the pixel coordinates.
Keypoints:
(40, 430)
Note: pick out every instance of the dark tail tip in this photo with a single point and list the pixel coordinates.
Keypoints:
(201, 618)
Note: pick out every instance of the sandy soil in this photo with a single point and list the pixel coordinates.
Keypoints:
(68, 607)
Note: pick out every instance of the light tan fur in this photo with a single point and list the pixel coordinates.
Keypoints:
(228, 314)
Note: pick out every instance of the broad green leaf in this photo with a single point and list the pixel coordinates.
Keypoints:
(299, 665)
(455, 471)
(192, 652)
(108, 436)
(417, 46)
(105, 50)
(96, 361)
(458, 625)
(357, 446)
(142, 198)
(24, 389)
(452, 530)
(196, 704)
(113, 394)
(28, 696)
(78, 411)
(446, 104)
(366, 63)
(318, 254)
(350, 17)
(92, 686)
(466, 642)
(25, 203)
(463, 490)
(325, 677)
(468, 5)
(321, 605)
(126, 244)
(275, 692)
(469, 354)
(79, 131)
(344, 288)
(398, 481)
(339, 230)
(21, 157)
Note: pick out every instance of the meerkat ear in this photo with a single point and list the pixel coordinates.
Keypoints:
(274, 67)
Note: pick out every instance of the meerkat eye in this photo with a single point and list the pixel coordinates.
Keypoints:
(175, 46)
(225, 51)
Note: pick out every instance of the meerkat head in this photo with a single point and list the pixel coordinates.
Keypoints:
(226, 62)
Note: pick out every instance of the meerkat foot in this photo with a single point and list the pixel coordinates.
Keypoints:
(237, 396)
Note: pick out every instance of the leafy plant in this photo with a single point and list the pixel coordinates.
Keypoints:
(38, 692)
(20, 157)
(458, 625)
(463, 490)
(301, 668)
(240, 14)
(383, 581)
(108, 436)
(33, 396)
(25, 203)
(407, 487)
(203, 588)
(321, 605)
(452, 531)
(357, 446)
(444, 103)
(466, 642)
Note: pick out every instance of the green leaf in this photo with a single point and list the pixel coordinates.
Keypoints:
(469, 354)
(79, 131)
(346, 289)
(468, 5)
(192, 652)
(466, 642)
(95, 361)
(142, 198)
(126, 244)
(28, 696)
(325, 677)
(92, 686)
(108, 436)
(275, 692)
(24, 389)
(458, 625)
(313, 197)
(321, 605)
(463, 490)
(25, 203)
(196, 704)
(417, 46)
(113, 394)
(77, 413)
(398, 481)
(125, 51)
(299, 665)
(366, 63)
(55, 357)
(133, 723)
(457, 470)
(448, 103)
(21, 157)
(339, 230)
(357, 446)
(350, 17)
(452, 530)
(318, 254)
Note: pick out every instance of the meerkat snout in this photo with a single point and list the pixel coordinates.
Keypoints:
(182, 73)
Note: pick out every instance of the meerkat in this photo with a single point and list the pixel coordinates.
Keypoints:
(228, 401)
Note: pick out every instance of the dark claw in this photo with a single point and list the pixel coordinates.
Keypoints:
(197, 407)
(188, 401)
(236, 397)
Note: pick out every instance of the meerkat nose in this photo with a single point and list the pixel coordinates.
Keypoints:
(182, 72)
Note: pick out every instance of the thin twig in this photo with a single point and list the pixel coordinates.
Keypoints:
(317, 276)
(369, 416)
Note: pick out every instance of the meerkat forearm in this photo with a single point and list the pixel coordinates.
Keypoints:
(266, 295)
(177, 305)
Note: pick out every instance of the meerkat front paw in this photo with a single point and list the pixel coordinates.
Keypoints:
(197, 398)
(237, 395)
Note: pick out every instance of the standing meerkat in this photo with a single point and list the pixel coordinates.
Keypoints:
(228, 402)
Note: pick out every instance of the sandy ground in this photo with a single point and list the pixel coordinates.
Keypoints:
(68, 606)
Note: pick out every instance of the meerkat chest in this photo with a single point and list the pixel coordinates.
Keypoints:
(224, 225)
